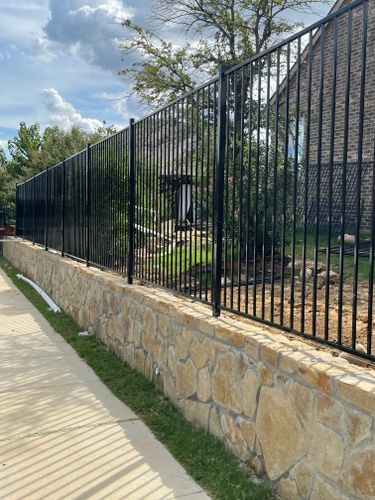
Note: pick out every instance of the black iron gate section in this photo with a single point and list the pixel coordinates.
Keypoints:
(245, 193)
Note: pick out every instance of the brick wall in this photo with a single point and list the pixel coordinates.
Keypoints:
(337, 190)
(323, 57)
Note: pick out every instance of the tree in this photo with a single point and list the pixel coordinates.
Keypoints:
(216, 32)
(3, 159)
(32, 151)
(23, 148)
(58, 144)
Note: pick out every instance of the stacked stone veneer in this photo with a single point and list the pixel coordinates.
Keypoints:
(296, 415)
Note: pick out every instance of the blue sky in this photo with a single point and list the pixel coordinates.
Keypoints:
(59, 62)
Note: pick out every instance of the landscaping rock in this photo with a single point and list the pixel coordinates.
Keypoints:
(348, 238)
(323, 276)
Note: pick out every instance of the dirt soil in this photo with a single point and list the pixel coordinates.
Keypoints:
(347, 311)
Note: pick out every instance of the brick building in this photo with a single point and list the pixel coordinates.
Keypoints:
(334, 66)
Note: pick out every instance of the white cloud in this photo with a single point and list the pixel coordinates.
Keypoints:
(42, 49)
(4, 55)
(64, 115)
(21, 20)
(91, 28)
(7, 51)
(3, 143)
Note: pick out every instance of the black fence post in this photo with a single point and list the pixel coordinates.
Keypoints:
(219, 191)
(63, 209)
(23, 210)
(131, 200)
(17, 210)
(46, 211)
(33, 181)
(87, 201)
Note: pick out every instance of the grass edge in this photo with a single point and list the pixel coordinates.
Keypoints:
(202, 455)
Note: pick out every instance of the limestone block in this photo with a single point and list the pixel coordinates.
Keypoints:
(208, 347)
(129, 354)
(186, 379)
(148, 317)
(139, 360)
(214, 426)
(195, 412)
(198, 354)
(323, 491)
(204, 385)
(304, 475)
(302, 399)
(248, 432)
(329, 411)
(257, 466)
(149, 366)
(169, 386)
(327, 452)
(171, 361)
(159, 350)
(358, 427)
(166, 326)
(181, 347)
(359, 473)
(266, 376)
(233, 436)
(148, 337)
(361, 394)
(287, 489)
(135, 332)
(250, 386)
(279, 431)
(226, 382)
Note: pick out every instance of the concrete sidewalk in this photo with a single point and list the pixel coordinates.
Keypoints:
(62, 432)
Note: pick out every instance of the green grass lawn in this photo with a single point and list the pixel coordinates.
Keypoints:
(182, 258)
(204, 457)
(187, 260)
(363, 262)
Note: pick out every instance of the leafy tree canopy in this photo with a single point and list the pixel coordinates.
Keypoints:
(31, 151)
(214, 32)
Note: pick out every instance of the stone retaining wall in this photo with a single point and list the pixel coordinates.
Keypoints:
(296, 415)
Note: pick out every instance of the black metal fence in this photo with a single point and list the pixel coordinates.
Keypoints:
(254, 193)
(2, 219)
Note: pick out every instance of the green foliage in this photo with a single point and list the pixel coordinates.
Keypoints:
(211, 33)
(160, 75)
(24, 148)
(31, 151)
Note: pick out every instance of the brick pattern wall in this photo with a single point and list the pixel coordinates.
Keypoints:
(337, 190)
(355, 81)
(336, 120)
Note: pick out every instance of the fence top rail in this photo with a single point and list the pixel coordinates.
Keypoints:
(19, 184)
(305, 31)
(71, 157)
(109, 137)
(196, 89)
